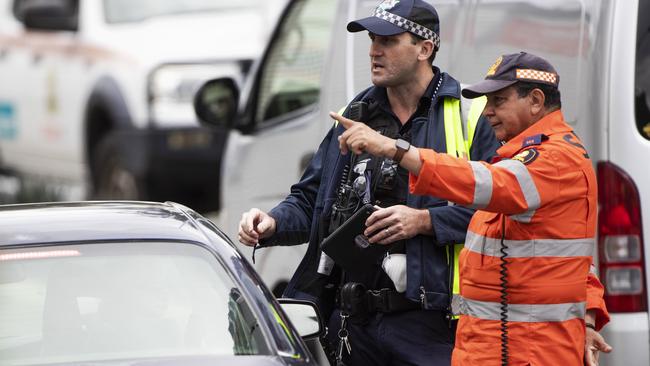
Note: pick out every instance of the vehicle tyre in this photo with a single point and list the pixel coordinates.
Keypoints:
(113, 178)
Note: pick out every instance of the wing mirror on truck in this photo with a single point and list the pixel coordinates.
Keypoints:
(48, 15)
(215, 103)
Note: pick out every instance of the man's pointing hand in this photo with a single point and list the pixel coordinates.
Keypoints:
(358, 138)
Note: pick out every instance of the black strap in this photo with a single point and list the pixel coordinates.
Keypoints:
(389, 301)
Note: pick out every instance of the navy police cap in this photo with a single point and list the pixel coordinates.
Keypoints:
(393, 17)
(508, 69)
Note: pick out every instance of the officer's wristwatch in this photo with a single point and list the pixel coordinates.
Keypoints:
(402, 147)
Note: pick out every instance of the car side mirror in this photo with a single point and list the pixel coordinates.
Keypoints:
(215, 103)
(49, 15)
(304, 316)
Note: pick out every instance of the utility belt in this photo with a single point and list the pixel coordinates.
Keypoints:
(359, 303)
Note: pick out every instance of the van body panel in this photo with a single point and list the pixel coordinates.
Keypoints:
(628, 333)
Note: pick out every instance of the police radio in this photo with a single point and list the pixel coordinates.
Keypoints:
(359, 111)
(347, 201)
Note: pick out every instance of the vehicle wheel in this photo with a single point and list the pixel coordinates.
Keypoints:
(112, 177)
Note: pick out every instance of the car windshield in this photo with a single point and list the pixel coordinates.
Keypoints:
(118, 11)
(120, 301)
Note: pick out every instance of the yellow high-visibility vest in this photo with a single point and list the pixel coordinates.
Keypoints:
(458, 138)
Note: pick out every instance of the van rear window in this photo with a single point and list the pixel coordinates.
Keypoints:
(642, 77)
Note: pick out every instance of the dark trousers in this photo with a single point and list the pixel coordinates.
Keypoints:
(416, 337)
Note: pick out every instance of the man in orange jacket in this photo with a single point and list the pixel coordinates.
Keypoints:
(524, 297)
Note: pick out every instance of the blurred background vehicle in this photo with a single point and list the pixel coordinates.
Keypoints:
(95, 96)
(601, 50)
(124, 283)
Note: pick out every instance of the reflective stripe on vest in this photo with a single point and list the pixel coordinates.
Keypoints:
(523, 312)
(458, 146)
(483, 188)
(530, 248)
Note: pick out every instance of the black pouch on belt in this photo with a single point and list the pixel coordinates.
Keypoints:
(354, 301)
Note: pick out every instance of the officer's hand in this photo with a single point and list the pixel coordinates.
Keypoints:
(358, 138)
(594, 344)
(255, 225)
(388, 225)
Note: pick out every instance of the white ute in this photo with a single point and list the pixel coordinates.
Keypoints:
(96, 95)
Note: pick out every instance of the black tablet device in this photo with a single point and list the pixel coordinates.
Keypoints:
(349, 248)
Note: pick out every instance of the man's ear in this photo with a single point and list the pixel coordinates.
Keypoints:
(537, 99)
(426, 50)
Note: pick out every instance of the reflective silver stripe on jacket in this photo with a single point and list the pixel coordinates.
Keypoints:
(531, 248)
(482, 185)
(527, 185)
(523, 312)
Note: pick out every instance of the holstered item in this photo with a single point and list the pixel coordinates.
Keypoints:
(354, 302)
(389, 301)
(360, 303)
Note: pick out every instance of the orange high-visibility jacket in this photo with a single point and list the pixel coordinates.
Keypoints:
(543, 191)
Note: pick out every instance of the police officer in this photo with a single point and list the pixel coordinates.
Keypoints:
(406, 318)
(524, 297)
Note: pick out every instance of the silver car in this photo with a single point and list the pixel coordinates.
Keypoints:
(134, 283)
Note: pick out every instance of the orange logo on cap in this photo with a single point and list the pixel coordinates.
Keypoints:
(493, 69)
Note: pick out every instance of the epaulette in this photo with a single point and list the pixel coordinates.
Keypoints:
(534, 140)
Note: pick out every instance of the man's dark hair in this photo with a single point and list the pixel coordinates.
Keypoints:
(415, 39)
(552, 98)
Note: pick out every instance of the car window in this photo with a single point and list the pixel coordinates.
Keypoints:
(290, 78)
(114, 301)
(286, 339)
(642, 80)
(19, 5)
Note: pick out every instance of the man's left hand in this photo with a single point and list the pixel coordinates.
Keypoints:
(388, 225)
(594, 344)
(358, 138)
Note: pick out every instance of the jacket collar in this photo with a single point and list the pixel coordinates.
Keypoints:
(551, 123)
(449, 87)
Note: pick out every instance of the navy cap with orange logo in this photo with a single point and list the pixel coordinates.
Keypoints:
(509, 69)
(393, 17)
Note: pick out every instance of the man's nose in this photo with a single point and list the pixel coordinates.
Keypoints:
(375, 50)
(488, 110)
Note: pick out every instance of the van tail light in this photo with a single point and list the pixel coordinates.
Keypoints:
(620, 241)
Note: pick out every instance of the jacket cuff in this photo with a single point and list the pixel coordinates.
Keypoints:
(418, 184)
(597, 304)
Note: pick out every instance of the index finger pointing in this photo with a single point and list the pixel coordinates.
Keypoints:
(346, 122)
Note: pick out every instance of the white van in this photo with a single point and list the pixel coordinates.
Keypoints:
(601, 50)
(95, 95)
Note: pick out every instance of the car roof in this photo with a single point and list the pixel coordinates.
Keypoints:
(57, 222)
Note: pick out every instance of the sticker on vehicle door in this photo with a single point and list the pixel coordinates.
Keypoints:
(8, 128)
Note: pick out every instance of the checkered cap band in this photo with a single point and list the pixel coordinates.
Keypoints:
(531, 74)
(409, 26)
